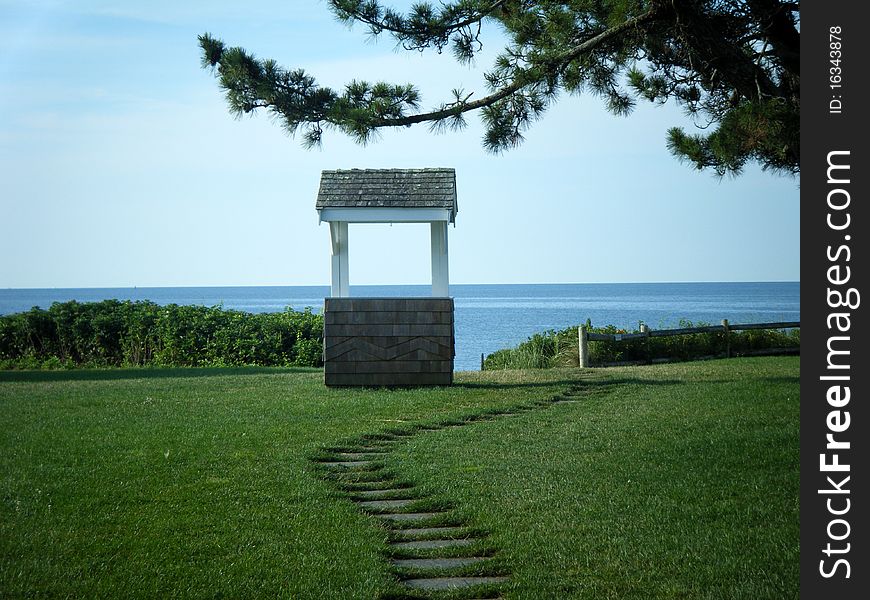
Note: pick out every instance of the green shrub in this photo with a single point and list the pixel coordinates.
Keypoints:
(124, 333)
(561, 348)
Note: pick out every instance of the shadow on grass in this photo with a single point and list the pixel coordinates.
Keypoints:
(586, 383)
(117, 374)
(795, 380)
(144, 373)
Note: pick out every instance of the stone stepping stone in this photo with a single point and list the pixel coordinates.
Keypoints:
(415, 532)
(356, 455)
(430, 544)
(347, 464)
(437, 563)
(353, 487)
(377, 494)
(384, 504)
(381, 480)
(362, 478)
(409, 517)
(451, 583)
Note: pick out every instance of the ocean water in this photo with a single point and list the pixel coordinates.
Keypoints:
(489, 317)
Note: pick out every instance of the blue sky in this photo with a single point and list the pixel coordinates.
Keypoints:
(120, 166)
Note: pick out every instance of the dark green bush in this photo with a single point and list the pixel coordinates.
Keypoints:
(560, 348)
(124, 333)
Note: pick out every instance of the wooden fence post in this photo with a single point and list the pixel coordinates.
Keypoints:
(727, 338)
(481, 361)
(644, 328)
(583, 342)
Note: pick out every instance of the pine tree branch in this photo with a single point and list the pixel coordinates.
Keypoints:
(521, 82)
(383, 25)
(733, 62)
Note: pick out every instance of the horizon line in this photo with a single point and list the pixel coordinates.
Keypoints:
(353, 285)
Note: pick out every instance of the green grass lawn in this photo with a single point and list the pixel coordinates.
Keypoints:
(672, 481)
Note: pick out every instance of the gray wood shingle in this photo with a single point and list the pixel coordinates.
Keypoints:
(393, 188)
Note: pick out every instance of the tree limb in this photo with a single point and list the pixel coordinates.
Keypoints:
(519, 83)
(383, 25)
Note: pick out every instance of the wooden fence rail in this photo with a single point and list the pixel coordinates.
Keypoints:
(645, 332)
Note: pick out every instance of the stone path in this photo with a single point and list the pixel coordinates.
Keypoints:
(431, 550)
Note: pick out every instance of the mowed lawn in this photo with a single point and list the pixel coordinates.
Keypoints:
(669, 481)
(672, 481)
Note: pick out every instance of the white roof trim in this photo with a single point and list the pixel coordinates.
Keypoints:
(381, 214)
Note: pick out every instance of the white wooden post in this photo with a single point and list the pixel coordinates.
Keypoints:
(583, 342)
(644, 329)
(340, 276)
(440, 276)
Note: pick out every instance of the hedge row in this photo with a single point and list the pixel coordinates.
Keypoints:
(560, 348)
(124, 333)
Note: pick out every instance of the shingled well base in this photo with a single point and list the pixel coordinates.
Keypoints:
(388, 341)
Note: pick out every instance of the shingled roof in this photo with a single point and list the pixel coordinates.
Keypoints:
(388, 188)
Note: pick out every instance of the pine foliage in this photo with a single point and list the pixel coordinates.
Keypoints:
(733, 65)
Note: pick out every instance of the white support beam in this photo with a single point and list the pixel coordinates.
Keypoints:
(440, 275)
(340, 275)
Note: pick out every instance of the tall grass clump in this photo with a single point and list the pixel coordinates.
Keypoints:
(538, 352)
(114, 333)
(561, 348)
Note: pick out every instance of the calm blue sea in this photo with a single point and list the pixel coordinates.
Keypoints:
(489, 317)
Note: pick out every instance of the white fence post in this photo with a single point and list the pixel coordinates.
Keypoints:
(644, 329)
(583, 342)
